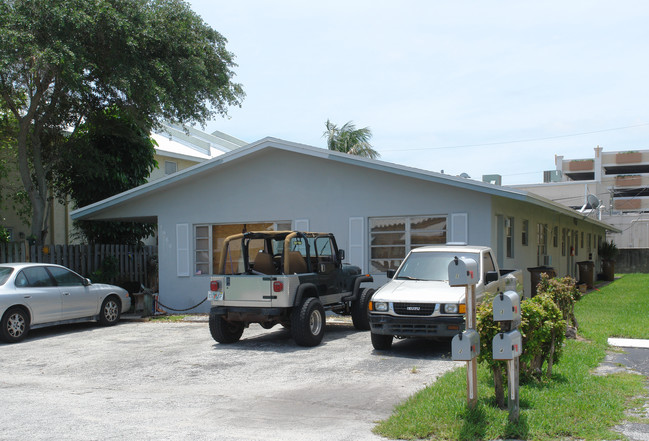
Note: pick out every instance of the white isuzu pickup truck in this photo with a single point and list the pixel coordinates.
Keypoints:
(418, 301)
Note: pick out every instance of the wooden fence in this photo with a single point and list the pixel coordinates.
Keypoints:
(133, 264)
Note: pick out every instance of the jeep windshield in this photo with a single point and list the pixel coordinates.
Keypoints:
(430, 266)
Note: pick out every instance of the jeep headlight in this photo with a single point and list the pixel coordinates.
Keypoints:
(379, 306)
(451, 308)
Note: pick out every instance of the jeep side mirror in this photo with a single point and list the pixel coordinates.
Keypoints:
(341, 255)
(491, 276)
(390, 273)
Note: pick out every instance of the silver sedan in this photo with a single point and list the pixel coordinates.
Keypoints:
(34, 295)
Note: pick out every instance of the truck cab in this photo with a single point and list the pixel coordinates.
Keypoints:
(418, 301)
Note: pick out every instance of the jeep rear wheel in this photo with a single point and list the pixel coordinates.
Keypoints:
(308, 322)
(360, 310)
(381, 342)
(225, 331)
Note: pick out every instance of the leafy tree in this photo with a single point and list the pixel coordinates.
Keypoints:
(349, 139)
(63, 60)
(11, 191)
(108, 154)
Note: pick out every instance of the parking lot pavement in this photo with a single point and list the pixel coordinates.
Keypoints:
(152, 380)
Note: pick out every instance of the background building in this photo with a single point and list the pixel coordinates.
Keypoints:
(610, 186)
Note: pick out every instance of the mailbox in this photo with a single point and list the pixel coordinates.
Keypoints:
(465, 346)
(507, 345)
(507, 307)
(463, 271)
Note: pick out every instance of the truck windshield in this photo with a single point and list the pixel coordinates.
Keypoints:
(430, 265)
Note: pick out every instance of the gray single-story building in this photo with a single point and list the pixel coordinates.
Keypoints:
(378, 212)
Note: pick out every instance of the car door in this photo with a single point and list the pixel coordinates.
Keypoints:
(77, 299)
(39, 293)
(327, 269)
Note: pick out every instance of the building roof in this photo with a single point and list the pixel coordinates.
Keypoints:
(241, 153)
(192, 144)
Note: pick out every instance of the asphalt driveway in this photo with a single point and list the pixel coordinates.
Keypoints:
(151, 380)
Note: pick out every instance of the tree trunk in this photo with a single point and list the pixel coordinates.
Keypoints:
(34, 179)
(551, 357)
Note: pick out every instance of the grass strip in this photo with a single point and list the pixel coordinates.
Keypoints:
(574, 403)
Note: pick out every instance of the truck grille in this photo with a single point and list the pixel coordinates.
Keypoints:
(414, 308)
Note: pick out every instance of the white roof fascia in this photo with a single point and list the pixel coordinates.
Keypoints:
(374, 164)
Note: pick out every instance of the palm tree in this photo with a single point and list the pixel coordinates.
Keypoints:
(348, 139)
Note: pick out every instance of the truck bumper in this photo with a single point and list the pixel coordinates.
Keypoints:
(416, 326)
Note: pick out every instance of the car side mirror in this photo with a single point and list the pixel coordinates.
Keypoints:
(341, 255)
(87, 282)
(491, 276)
(390, 273)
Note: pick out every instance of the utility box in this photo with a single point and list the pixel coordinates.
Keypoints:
(507, 307)
(465, 346)
(463, 271)
(507, 345)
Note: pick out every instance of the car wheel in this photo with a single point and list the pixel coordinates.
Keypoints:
(15, 325)
(381, 342)
(224, 331)
(110, 311)
(308, 322)
(360, 310)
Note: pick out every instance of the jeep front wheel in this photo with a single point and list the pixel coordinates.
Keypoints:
(308, 322)
(224, 331)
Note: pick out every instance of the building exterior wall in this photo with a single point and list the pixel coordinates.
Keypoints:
(319, 194)
(575, 241)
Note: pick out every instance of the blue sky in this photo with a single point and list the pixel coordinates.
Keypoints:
(461, 86)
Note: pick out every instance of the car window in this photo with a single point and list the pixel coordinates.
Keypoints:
(36, 276)
(5, 272)
(65, 277)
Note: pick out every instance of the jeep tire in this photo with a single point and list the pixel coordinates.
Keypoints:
(308, 322)
(360, 310)
(224, 331)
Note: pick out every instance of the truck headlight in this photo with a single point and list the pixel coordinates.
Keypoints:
(451, 308)
(379, 306)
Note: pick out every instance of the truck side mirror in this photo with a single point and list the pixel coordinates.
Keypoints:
(491, 276)
(341, 255)
(390, 273)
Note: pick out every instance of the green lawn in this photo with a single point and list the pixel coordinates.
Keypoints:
(574, 403)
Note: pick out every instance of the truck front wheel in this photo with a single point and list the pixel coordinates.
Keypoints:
(360, 310)
(381, 342)
(224, 331)
(308, 322)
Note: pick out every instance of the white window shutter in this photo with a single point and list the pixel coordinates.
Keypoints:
(182, 250)
(301, 224)
(356, 251)
(460, 228)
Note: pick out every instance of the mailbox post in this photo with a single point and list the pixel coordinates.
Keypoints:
(507, 345)
(466, 345)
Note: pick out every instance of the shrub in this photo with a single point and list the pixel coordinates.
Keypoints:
(563, 291)
(107, 272)
(543, 333)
